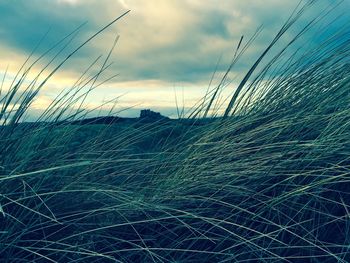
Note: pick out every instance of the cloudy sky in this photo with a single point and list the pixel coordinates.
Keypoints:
(167, 48)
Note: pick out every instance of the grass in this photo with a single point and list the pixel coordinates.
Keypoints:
(268, 182)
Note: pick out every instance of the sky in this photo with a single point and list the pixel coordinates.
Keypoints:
(166, 52)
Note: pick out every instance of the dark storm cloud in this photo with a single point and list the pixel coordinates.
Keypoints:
(24, 23)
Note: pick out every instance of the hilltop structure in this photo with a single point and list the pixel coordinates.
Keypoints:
(151, 115)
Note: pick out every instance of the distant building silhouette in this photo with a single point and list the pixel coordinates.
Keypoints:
(151, 115)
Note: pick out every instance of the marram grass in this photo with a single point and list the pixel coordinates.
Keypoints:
(268, 182)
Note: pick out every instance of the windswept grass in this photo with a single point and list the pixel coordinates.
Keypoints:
(267, 182)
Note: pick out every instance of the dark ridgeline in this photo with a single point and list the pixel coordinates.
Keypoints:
(146, 115)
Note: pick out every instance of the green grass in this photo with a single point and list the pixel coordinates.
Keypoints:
(267, 182)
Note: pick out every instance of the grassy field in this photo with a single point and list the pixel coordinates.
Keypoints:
(266, 181)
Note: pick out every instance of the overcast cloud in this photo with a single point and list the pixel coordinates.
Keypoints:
(164, 44)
